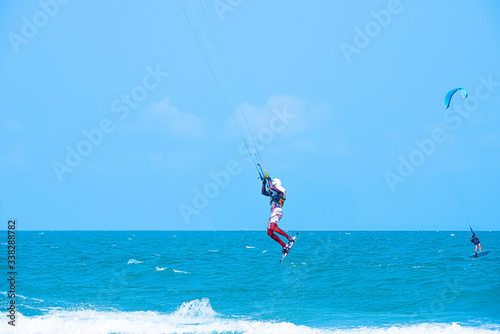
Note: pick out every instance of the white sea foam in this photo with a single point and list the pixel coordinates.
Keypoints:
(213, 250)
(134, 261)
(249, 247)
(197, 316)
(160, 269)
(28, 298)
(180, 271)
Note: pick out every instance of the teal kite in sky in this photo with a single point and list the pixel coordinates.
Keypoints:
(450, 94)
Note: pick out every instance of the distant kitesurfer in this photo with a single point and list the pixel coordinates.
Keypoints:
(475, 241)
(273, 189)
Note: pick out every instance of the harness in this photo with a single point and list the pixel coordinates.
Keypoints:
(277, 199)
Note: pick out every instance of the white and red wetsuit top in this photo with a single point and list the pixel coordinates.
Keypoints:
(278, 198)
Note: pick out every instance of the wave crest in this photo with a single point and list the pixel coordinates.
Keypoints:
(198, 316)
(196, 309)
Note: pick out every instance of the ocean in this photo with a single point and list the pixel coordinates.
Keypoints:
(232, 282)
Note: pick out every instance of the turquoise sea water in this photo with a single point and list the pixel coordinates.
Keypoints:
(233, 282)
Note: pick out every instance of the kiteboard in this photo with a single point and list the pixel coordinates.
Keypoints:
(479, 254)
(285, 255)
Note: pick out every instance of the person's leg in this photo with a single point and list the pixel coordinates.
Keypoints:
(475, 249)
(280, 231)
(276, 215)
(270, 231)
(479, 246)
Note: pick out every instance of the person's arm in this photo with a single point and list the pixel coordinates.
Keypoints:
(272, 187)
(264, 189)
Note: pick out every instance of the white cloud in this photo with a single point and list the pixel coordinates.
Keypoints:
(291, 109)
(182, 124)
(301, 115)
(307, 127)
(174, 161)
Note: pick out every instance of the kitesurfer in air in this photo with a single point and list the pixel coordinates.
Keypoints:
(273, 189)
(475, 240)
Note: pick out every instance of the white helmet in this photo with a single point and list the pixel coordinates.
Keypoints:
(277, 183)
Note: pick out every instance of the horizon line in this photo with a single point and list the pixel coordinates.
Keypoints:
(235, 230)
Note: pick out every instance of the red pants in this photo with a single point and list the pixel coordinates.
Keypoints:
(273, 227)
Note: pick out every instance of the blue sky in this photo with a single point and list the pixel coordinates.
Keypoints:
(345, 100)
